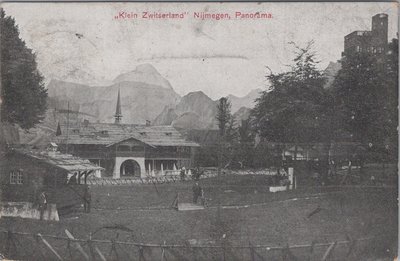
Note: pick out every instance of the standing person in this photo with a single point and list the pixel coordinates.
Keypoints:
(196, 173)
(87, 197)
(42, 204)
(202, 197)
(196, 192)
(183, 173)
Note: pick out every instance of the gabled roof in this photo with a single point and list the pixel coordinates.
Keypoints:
(109, 134)
(65, 162)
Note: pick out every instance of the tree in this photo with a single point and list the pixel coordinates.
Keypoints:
(245, 132)
(296, 108)
(224, 116)
(227, 132)
(366, 92)
(245, 144)
(23, 93)
(391, 93)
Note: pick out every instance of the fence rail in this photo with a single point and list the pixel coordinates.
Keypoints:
(175, 177)
(22, 245)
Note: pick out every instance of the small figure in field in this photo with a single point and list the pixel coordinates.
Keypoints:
(183, 173)
(373, 180)
(197, 173)
(87, 200)
(42, 204)
(202, 197)
(196, 192)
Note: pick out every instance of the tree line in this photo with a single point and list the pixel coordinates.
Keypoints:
(361, 106)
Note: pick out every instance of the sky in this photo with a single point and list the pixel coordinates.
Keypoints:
(83, 42)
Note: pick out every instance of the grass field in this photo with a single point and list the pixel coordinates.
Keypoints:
(263, 218)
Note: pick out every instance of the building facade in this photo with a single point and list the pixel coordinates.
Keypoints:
(374, 41)
(126, 150)
(26, 172)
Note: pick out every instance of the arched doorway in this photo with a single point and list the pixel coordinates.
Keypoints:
(129, 168)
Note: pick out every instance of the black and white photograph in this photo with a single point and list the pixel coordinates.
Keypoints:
(226, 131)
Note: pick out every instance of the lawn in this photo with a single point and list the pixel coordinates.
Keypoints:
(141, 213)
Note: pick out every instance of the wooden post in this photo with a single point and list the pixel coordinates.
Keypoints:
(311, 250)
(224, 251)
(50, 247)
(114, 249)
(8, 243)
(55, 179)
(141, 254)
(90, 246)
(79, 177)
(285, 251)
(162, 253)
(287, 255)
(69, 248)
(76, 244)
(36, 237)
(351, 247)
(175, 202)
(251, 252)
(87, 174)
(194, 254)
(100, 254)
(328, 251)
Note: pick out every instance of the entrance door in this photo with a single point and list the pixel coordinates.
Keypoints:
(130, 168)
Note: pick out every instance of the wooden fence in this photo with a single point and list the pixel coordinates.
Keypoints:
(26, 246)
(208, 173)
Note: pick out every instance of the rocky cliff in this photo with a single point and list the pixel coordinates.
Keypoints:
(144, 94)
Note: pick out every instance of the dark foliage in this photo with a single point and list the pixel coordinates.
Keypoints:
(224, 116)
(366, 93)
(296, 108)
(23, 92)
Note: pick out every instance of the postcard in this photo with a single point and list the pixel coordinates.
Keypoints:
(199, 130)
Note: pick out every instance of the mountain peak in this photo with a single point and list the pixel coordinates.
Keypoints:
(196, 93)
(146, 68)
(146, 73)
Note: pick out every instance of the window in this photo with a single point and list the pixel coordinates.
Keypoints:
(168, 133)
(124, 148)
(16, 177)
(137, 148)
(75, 131)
